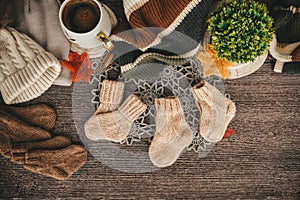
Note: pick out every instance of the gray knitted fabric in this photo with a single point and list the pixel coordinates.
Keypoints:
(149, 66)
(39, 20)
(288, 33)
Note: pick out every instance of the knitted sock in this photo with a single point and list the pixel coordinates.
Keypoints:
(59, 164)
(40, 115)
(173, 134)
(116, 125)
(111, 95)
(5, 143)
(216, 111)
(18, 150)
(13, 130)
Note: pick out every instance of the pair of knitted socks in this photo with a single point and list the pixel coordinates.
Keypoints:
(173, 133)
(25, 140)
(113, 120)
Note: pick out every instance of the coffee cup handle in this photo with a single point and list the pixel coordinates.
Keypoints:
(106, 41)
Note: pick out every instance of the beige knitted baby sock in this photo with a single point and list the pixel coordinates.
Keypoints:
(173, 133)
(216, 111)
(111, 95)
(19, 150)
(59, 164)
(116, 125)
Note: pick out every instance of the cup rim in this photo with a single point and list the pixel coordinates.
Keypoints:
(85, 33)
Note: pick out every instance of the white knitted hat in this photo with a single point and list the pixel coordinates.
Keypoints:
(26, 69)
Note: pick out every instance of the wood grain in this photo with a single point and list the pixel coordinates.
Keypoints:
(262, 161)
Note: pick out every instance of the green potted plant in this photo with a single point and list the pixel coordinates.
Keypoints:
(241, 32)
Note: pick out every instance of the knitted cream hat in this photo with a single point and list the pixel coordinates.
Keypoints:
(26, 69)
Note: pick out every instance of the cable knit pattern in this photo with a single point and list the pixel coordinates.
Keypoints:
(115, 126)
(110, 96)
(11, 58)
(216, 111)
(34, 46)
(26, 69)
(173, 134)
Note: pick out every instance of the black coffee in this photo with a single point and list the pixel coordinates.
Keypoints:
(81, 16)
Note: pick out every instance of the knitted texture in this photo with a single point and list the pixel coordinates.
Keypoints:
(40, 23)
(216, 111)
(39, 20)
(282, 53)
(291, 68)
(40, 115)
(148, 66)
(64, 78)
(282, 15)
(12, 130)
(26, 70)
(174, 80)
(168, 27)
(173, 133)
(33, 147)
(289, 32)
(116, 125)
(286, 40)
(59, 164)
(111, 95)
(169, 16)
(20, 149)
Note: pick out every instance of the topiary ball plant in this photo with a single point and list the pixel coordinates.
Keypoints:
(241, 30)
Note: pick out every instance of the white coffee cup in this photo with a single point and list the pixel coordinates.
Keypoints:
(99, 35)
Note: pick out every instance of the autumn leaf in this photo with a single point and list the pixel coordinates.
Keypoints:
(79, 65)
(229, 132)
(221, 63)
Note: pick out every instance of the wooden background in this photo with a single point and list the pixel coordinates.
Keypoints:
(262, 161)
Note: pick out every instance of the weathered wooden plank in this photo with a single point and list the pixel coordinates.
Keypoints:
(262, 161)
